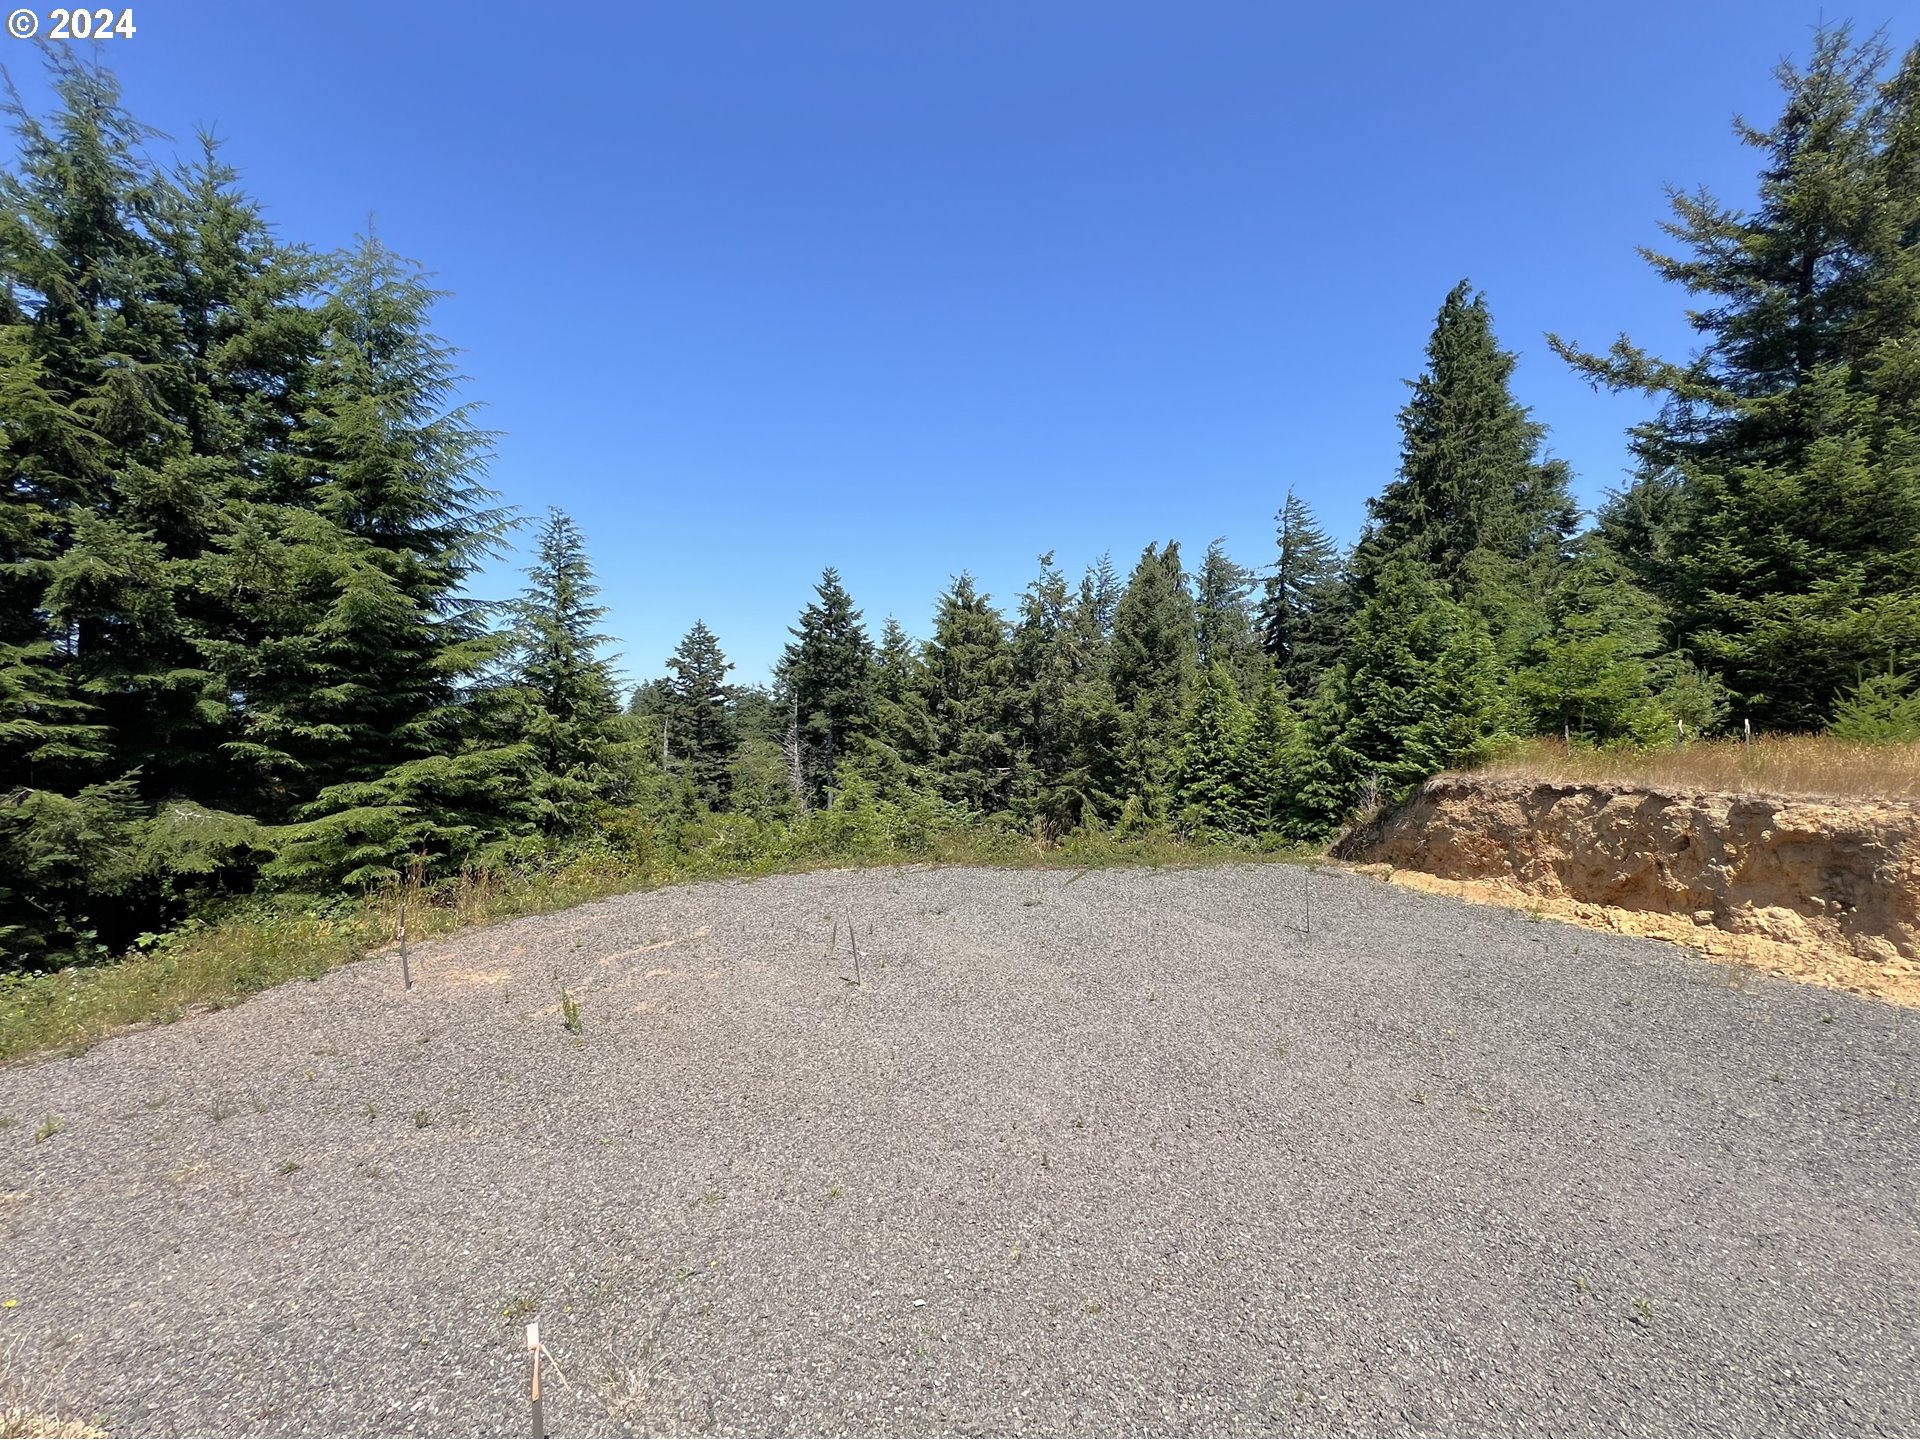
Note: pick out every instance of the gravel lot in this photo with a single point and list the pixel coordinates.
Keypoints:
(1106, 1152)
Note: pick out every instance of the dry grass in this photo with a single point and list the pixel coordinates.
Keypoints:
(1811, 765)
(29, 1407)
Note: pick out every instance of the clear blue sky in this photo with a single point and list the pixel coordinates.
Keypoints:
(912, 287)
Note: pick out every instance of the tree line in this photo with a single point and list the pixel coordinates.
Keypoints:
(243, 504)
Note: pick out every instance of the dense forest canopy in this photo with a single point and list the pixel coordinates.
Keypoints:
(243, 506)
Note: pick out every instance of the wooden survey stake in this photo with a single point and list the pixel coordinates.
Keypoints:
(533, 1355)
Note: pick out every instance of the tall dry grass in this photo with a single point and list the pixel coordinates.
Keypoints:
(1809, 765)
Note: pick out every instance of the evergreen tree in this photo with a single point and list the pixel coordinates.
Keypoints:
(1473, 502)
(1777, 509)
(1303, 613)
(970, 700)
(563, 689)
(1599, 673)
(1152, 669)
(829, 669)
(1274, 765)
(1420, 689)
(100, 690)
(701, 736)
(1223, 622)
(1879, 710)
(1210, 773)
(900, 738)
(357, 692)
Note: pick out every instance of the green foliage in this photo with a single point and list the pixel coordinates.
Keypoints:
(1471, 488)
(1589, 675)
(1223, 621)
(1777, 508)
(968, 685)
(560, 701)
(242, 504)
(1419, 689)
(1151, 669)
(1210, 773)
(701, 735)
(1879, 708)
(828, 672)
(1303, 611)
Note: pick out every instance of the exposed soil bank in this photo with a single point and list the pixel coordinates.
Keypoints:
(1839, 879)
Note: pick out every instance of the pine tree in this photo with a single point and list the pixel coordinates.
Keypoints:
(1211, 768)
(701, 734)
(1597, 672)
(358, 696)
(1274, 764)
(829, 669)
(1420, 688)
(970, 699)
(1152, 669)
(1472, 502)
(1777, 509)
(889, 757)
(1303, 612)
(1223, 621)
(562, 688)
(96, 677)
(1881, 709)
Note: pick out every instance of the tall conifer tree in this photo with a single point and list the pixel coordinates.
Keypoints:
(700, 724)
(1777, 508)
(829, 670)
(1302, 614)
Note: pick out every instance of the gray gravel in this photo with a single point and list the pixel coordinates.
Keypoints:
(1113, 1152)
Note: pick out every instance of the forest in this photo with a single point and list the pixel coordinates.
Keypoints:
(245, 499)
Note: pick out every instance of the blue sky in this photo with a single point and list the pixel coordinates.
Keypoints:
(909, 288)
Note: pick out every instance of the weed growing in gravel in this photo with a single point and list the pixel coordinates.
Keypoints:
(570, 1012)
(421, 1119)
(287, 1167)
(50, 1126)
(219, 1110)
(521, 1307)
(1642, 1313)
(368, 1111)
(7, 1122)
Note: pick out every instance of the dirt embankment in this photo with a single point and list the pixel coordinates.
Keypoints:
(1825, 890)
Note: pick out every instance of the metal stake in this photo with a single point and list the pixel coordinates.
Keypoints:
(406, 975)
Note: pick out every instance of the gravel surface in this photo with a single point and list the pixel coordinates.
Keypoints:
(1103, 1152)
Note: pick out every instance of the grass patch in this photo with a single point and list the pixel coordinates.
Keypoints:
(1815, 765)
(216, 962)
